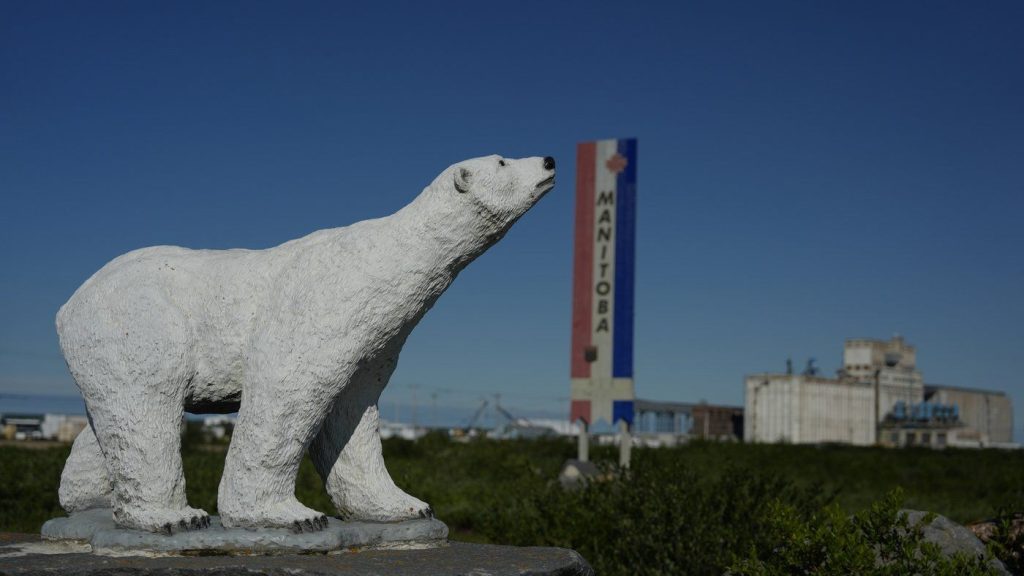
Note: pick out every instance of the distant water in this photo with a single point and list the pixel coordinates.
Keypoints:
(40, 404)
(422, 414)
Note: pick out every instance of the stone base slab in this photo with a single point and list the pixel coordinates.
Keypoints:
(97, 528)
(26, 555)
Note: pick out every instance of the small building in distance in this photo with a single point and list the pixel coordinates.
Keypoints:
(712, 422)
(63, 427)
(60, 427)
(877, 397)
(22, 426)
(219, 426)
(669, 423)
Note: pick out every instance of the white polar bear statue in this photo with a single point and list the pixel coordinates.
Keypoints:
(299, 339)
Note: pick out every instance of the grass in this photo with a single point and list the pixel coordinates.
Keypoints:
(699, 508)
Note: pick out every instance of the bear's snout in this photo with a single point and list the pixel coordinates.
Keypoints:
(549, 163)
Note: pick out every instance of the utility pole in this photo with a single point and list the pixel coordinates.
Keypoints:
(414, 415)
(878, 419)
(497, 409)
(625, 444)
(433, 409)
(583, 442)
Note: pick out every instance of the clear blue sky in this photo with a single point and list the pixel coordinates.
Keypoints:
(808, 171)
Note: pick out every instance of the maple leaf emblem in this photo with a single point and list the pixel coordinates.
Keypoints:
(617, 163)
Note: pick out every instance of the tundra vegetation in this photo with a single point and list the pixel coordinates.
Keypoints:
(704, 508)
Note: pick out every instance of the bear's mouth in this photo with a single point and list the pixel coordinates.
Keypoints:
(546, 183)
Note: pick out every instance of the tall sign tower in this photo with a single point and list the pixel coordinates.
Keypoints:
(602, 316)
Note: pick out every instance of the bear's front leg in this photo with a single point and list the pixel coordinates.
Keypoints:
(275, 424)
(347, 454)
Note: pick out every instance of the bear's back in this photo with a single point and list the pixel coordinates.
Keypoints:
(219, 287)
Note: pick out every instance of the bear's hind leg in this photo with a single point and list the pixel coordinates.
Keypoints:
(141, 443)
(84, 484)
(347, 453)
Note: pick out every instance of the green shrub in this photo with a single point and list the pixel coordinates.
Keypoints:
(658, 518)
(28, 486)
(876, 542)
(1007, 543)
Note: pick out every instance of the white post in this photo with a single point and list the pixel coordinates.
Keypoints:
(625, 444)
(583, 445)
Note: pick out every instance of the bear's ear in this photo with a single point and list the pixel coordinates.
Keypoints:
(462, 178)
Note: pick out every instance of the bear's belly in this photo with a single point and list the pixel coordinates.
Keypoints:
(209, 406)
(213, 397)
(216, 385)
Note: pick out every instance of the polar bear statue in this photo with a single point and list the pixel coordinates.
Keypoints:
(299, 339)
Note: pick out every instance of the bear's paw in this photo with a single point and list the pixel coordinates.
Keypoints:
(162, 520)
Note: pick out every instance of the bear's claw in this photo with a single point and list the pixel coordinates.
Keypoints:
(197, 522)
(310, 525)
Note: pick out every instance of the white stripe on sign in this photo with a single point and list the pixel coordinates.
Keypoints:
(602, 324)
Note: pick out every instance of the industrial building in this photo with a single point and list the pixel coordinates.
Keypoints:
(803, 408)
(986, 415)
(877, 397)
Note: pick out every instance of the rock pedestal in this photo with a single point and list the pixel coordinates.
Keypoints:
(26, 555)
(96, 528)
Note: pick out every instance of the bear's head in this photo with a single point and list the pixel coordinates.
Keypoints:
(499, 190)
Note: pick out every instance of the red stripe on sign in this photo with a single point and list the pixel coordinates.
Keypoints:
(580, 410)
(583, 266)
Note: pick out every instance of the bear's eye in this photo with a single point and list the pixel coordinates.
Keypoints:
(501, 162)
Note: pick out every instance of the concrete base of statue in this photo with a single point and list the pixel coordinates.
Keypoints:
(96, 528)
(28, 555)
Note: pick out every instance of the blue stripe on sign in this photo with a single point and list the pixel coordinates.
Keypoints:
(622, 410)
(625, 251)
